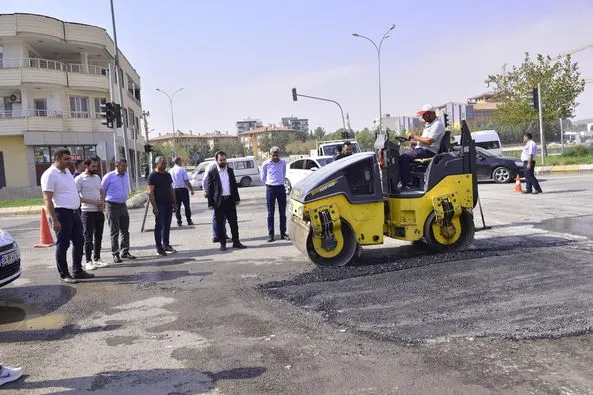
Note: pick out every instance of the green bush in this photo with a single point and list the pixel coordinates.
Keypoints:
(580, 150)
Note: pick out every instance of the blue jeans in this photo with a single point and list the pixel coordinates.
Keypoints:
(162, 226)
(71, 231)
(273, 193)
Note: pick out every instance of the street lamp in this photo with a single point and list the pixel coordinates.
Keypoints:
(378, 48)
(172, 118)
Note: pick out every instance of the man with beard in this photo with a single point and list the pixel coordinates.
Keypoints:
(162, 198)
(273, 173)
(92, 197)
(223, 197)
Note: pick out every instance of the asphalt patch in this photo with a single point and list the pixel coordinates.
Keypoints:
(582, 226)
(519, 294)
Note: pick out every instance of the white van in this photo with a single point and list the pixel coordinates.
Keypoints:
(487, 139)
(246, 171)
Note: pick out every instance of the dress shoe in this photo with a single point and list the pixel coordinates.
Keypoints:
(170, 249)
(117, 259)
(270, 238)
(536, 192)
(69, 280)
(82, 275)
(284, 236)
(190, 222)
(239, 245)
(127, 255)
(161, 252)
(222, 247)
(179, 224)
(526, 192)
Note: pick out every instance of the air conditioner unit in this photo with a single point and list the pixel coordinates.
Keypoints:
(14, 98)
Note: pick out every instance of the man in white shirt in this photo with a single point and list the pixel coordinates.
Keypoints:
(428, 144)
(92, 197)
(272, 176)
(528, 157)
(181, 185)
(62, 203)
(213, 165)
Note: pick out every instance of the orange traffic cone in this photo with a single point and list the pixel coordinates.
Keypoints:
(45, 237)
(518, 187)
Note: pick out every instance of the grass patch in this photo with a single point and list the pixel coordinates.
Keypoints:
(572, 156)
(21, 202)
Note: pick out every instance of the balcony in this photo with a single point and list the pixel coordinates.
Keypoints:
(16, 71)
(17, 122)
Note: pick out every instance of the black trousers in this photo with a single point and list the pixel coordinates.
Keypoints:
(119, 227)
(93, 223)
(182, 196)
(273, 193)
(227, 211)
(71, 231)
(531, 182)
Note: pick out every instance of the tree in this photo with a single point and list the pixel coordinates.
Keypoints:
(366, 139)
(318, 133)
(231, 147)
(300, 147)
(167, 151)
(561, 84)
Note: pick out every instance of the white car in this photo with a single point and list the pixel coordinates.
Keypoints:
(301, 168)
(10, 259)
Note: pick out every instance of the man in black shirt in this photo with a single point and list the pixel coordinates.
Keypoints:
(162, 198)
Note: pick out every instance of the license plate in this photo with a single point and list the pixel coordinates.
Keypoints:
(9, 258)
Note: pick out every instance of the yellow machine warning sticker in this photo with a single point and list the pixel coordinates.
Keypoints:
(324, 187)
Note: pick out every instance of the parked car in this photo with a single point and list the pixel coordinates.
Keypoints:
(246, 171)
(301, 168)
(499, 169)
(486, 139)
(10, 259)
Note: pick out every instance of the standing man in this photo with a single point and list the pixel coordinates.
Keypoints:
(428, 144)
(162, 198)
(213, 165)
(92, 197)
(181, 185)
(347, 151)
(528, 157)
(62, 203)
(273, 173)
(223, 197)
(115, 185)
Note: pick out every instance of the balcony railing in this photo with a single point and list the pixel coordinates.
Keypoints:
(36, 63)
(29, 113)
(134, 99)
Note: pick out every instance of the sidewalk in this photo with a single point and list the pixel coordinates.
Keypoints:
(136, 201)
(562, 169)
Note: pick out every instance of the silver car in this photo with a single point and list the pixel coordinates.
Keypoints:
(10, 259)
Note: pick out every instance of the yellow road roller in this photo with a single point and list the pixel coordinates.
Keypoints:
(356, 201)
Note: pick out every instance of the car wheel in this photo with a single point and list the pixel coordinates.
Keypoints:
(245, 182)
(287, 186)
(502, 175)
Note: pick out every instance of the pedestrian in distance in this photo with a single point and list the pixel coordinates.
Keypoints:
(346, 151)
(528, 156)
(162, 198)
(223, 198)
(92, 197)
(181, 186)
(205, 189)
(272, 176)
(9, 374)
(62, 203)
(78, 168)
(116, 187)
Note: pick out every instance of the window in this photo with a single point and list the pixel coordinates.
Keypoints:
(311, 164)
(249, 164)
(239, 165)
(41, 154)
(97, 107)
(359, 177)
(125, 116)
(40, 107)
(79, 107)
(297, 164)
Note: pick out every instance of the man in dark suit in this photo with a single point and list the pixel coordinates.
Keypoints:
(223, 197)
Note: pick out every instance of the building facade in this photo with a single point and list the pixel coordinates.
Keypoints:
(206, 142)
(248, 124)
(295, 123)
(400, 124)
(53, 75)
(253, 139)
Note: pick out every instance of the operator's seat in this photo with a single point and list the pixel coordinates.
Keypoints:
(444, 147)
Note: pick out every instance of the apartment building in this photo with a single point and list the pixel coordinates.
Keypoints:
(53, 75)
(201, 141)
(247, 124)
(399, 124)
(252, 140)
(295, 123)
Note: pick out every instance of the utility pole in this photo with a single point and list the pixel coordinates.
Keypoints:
(541, 122)
(121, 91)
(145, 115)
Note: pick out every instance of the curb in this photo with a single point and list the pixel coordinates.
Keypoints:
(563, 169)
(137, 201)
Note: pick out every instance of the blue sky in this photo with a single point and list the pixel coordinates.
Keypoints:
(236, 58)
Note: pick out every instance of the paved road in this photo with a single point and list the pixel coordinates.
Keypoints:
(511, 314)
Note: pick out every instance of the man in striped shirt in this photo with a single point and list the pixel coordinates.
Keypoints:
(272, 176)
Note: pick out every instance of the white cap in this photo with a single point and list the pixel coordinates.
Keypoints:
(426, 108)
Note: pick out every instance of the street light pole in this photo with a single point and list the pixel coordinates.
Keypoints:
(172, 117)
(378, 48)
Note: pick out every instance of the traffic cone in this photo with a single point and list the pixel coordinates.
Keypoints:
(45, 237)
(518, 187)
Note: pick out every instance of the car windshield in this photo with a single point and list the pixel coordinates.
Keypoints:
(484, 152)
(325, 161)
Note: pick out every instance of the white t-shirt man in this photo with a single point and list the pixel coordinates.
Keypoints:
(63, 187)
(434, 130)
(89, 187)
(529, 149)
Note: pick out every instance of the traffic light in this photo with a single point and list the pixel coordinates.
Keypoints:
(148, 148)
(109, 115)
(117, 108)
(294, 94)
(446, 116)
(533, 98)
(103, 111)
